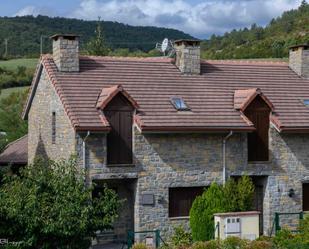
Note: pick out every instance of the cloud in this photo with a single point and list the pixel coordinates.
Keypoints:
(31, 10)
(27, 11)
(201, 18)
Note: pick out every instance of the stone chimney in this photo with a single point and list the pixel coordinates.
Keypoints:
(188, 58)
(66, 52)
(299, 60)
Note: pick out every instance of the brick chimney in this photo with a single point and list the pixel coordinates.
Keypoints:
(299, 60)
(66, 52)
(188, 58)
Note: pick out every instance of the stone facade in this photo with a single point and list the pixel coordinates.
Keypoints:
(188, 57)
(299, 60)
(162, 161)
(66, 53)
(45, 102)
(287, 169)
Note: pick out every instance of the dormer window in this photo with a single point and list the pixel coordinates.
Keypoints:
(179, 104)
(257, 108)
(306, 102)
(118, 108)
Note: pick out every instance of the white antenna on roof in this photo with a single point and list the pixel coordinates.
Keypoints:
(166, 47)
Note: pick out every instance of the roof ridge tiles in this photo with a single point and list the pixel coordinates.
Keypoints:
(123, 58)
(247, 62)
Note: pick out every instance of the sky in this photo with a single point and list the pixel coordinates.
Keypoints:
(200, 18)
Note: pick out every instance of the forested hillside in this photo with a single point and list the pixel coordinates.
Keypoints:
(258, 42)
(24, 34)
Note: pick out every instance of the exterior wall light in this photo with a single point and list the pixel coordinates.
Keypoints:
(291, 192)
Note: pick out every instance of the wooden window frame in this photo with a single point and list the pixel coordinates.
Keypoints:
(184, 194)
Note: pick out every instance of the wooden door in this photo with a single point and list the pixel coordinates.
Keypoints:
(258, 113)
(119, 114)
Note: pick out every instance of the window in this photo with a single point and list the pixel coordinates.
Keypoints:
(305, 196)
(53, 127)
(119, 114)
(179, 104)
(181, 199)
(306, 102)
(258, 112)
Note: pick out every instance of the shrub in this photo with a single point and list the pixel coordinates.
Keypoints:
(235, 243)
(139, 246)
(284, 239)
(261, 244)
(234, 196)
(212, 244)
(180, 237)
(165, 246)
(264, 238)
(244, 193)
(203, 208)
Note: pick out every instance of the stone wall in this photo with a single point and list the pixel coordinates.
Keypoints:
(178, 160)
(162, 161)
(45, 102)
(287, 168)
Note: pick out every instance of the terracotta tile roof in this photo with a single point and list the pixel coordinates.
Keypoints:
(243, 98)
(15, 152)
(108, 93)
(152, 81)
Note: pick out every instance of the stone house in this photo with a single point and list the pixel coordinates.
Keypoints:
(160, 130)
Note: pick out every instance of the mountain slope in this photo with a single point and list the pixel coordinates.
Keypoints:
(258, 42)
(24, 33)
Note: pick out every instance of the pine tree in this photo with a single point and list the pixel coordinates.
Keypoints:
(97, 45)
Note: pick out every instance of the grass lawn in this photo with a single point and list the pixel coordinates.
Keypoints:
(8, 91)
(13, 64)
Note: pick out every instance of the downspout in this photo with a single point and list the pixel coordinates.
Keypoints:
(224, 156)
(84, 152)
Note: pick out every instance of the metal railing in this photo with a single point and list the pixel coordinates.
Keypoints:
(292, 223)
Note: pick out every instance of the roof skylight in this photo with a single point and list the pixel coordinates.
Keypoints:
(179, 104)
(306, 102)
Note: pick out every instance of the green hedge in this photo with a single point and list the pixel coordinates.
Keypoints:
(233, 196)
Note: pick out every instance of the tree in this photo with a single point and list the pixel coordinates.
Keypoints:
(11, 122)
(233, 196)
(97, 45)
(48, 206)
(303, 5)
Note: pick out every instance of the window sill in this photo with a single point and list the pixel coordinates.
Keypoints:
(259, 162)
(120, 165)
(179, 218)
